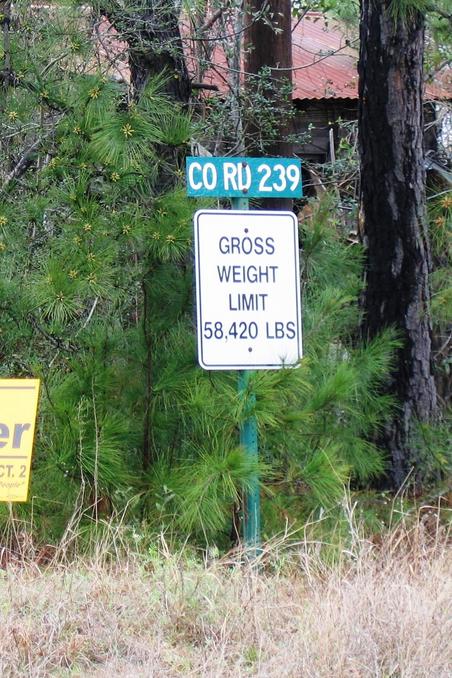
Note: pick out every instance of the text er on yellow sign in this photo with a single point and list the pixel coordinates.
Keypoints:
(18, 406)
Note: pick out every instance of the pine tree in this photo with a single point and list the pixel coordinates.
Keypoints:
(96, 298)
(393, 207)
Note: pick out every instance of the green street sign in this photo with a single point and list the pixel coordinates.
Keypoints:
(244, 177)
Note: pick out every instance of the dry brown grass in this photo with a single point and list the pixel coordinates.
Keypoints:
(384, 611)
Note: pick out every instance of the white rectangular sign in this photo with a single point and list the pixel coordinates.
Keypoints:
(247, 289)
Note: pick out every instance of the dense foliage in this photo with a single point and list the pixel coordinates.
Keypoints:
(96, 299)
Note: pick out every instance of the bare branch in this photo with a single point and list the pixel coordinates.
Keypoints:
(441, 13)
(53, 62)
(22, 165)
(210, 22)
(25, 159)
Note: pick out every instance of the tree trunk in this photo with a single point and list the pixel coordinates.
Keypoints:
(6, 77)
(394, 230)
(268, 44)
(155, 45)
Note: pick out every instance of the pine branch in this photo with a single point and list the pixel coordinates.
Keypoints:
(52, 63)
(443, 14)
(55, 341)
(24, 161)
(22, 165)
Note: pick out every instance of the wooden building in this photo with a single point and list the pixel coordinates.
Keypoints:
(325, 83)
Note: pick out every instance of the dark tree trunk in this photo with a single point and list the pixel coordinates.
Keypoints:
(6, 76)
(268, 44)
(146, 61)
(155, 45)
(394, 230)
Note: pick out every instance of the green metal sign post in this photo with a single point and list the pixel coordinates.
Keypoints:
(248, 440)
(247, 263)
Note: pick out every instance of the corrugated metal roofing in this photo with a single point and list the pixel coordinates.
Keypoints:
(325, 57)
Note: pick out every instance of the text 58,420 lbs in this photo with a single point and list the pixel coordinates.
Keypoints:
(247, 289)
(249, 330)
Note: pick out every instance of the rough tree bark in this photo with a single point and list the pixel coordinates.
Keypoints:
(152, 33)
(6, 76)
(394, 229)
(268, 43)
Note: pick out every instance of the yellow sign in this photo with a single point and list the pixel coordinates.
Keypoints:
(18, 406)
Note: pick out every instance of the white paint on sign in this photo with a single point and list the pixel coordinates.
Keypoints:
(244, 177)
(248, 289)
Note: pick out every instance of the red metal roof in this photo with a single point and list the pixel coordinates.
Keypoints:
(324, 56)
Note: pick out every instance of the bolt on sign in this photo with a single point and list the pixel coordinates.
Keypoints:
(18, 407)
(248, 289)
